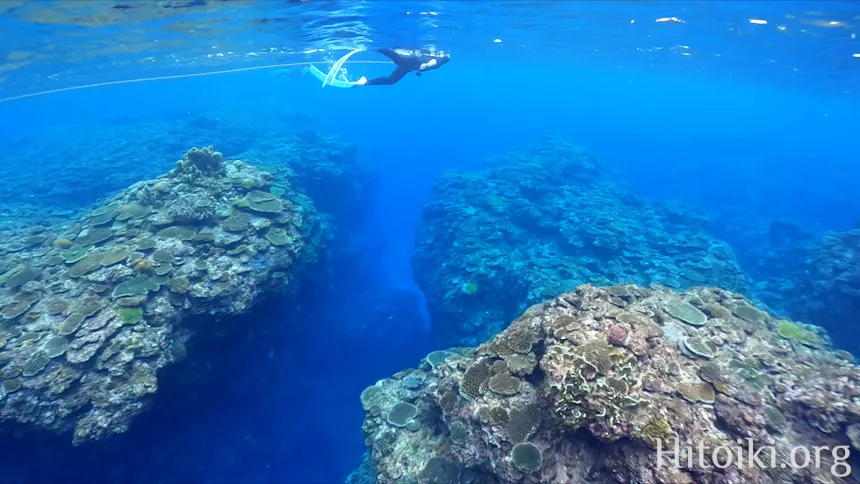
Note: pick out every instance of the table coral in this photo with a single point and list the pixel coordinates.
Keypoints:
(592, 412)
(90, 321)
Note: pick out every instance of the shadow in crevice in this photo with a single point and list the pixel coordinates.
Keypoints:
(271, 396)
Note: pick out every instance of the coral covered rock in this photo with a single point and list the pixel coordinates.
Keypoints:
(595, 412)
(536, 224)
(89, 322)
(825, 288)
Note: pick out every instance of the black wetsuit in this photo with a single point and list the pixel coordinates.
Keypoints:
(407, 61)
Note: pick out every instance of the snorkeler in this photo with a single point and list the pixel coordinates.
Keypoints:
(418, 60)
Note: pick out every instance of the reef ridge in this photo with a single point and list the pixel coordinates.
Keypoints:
(539, 222)
(92, 309)
(585, 388)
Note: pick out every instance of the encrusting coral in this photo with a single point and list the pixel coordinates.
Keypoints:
(615, 381)
(93, 311)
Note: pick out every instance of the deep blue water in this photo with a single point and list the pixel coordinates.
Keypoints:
(756, 120)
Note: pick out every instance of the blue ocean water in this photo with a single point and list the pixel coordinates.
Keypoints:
(745, 111)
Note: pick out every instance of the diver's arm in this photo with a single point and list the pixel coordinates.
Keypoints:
(428, 65)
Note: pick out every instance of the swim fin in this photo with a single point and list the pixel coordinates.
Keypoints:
(335, 69)
(335, 83)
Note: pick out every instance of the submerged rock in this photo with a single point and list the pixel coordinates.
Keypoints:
(595, 412)
(90, 321)
(825, 287)
(536, 224)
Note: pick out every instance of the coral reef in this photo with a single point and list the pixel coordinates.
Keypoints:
(771, 252)
(765, 249)
(67, 180)
(329, 173)
(538, 223)
(806, 276)
(825, 287)
(596, 409)
(93, 309)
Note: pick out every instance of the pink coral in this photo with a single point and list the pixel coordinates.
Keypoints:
(617, 335)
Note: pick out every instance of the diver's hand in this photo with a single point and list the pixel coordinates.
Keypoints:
(428, 65)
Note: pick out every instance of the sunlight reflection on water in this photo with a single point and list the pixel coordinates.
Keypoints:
(93, 40)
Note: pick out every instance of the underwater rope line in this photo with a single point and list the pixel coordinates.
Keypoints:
(178, 76)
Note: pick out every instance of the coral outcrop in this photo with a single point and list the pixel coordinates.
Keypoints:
(329, 172)
(589, 386)
(825, 287)
(66, 180)
(811, 277)
(771, 252)
(343, 191)
(92, 310)
(538, 223)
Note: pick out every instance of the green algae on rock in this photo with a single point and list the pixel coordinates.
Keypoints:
(81, 340)
(594, 405)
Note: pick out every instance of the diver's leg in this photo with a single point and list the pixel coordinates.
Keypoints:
(392, 78)
(394, 56)
(402, 58)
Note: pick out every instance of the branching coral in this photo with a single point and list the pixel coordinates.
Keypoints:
(201, 163)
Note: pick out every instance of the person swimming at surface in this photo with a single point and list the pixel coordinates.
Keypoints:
(418, 60)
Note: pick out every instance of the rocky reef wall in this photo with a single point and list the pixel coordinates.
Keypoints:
(807, 276)
(823, 287)
(827, 285)
(93, 308)
(586, 387)
(537, 223)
